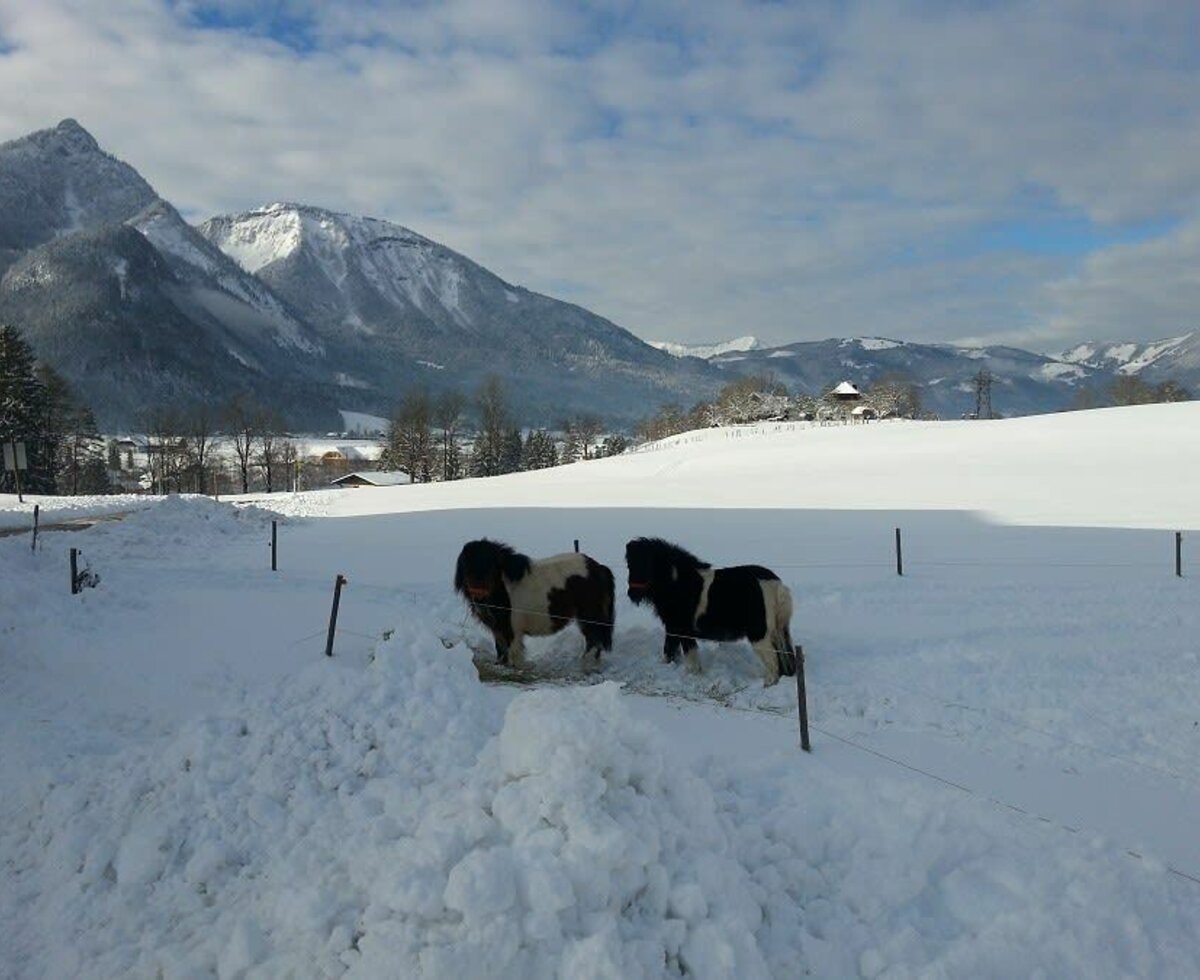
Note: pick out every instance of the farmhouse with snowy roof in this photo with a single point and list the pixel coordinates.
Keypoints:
(376, 478)
(846, 392)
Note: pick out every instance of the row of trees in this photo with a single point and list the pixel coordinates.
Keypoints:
(63, 447)
(759, 398)
(181, 448)
(427, 437)
(1131, 390)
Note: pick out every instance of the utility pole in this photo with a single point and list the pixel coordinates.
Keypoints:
(983, 394)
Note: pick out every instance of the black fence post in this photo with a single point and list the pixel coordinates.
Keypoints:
(337, 598)
(802, 700)
(74, 571)
(1179, 554)
(274, 543)
(36, 509)
(899, 555)
(576, 546)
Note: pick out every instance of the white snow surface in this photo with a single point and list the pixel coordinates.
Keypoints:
(1004, 778)
(877, 343)
(706, 351)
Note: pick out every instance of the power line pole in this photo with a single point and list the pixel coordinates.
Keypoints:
(983, 394)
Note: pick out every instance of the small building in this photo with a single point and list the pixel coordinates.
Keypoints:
(846, 392)
(863, 413)
(373, 478)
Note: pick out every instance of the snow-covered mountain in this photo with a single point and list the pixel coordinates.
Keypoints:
(707, 351)
(1177, 357)
(58, 181)
(129, 302)
(393, 307)
(1023, 382)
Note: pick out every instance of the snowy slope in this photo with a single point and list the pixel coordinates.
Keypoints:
(1004, 779)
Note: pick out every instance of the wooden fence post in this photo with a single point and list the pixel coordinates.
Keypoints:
(74, 571)
(337, 598)
(802, 700)
(1179, 554)
(899, 555)
(274, 543)
(576, 546)
(36, 509)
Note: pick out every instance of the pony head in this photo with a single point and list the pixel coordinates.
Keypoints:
(654, 563)
(482, 567)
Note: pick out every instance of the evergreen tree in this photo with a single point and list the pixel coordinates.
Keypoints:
(571, 449)
(510, 451)
(614, 445)
(539, 452)
(23, 409)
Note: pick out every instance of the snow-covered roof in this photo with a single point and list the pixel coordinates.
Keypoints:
(379, 478)
(846, 388)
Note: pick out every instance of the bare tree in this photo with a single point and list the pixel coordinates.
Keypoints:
(289, 458)
(241, 419)
(589, 428)
(199, 429)
(448, 417)
(495, 425)
(166, 449)
(895, 394)
(409, 438)
(270, 447)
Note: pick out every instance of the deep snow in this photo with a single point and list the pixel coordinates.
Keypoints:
(189, 788)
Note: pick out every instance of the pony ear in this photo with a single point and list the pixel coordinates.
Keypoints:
(515, 567)
(460, 579)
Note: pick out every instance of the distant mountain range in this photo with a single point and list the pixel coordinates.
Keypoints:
(317, 313)
(707, 351)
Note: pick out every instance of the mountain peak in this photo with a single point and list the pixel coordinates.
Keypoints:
(71, 132)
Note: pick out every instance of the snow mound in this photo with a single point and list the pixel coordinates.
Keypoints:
(390, 820)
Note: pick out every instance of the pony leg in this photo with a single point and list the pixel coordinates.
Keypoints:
(501, 650)
(597, 637)
(516, 651)
(593, 645)
(691, 656)
(671, 649)
(765, 650)
(785, 652)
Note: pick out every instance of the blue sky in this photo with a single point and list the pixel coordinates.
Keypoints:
(693, 169)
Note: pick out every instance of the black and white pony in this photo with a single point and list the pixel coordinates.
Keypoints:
(516, 596)
(698, 602)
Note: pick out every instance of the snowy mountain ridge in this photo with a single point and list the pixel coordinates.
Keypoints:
(706, 351)
(395, 308)
(1130, 357)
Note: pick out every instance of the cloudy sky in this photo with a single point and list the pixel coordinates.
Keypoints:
(693, 169)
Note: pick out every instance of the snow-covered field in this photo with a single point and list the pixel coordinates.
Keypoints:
(1004, 779)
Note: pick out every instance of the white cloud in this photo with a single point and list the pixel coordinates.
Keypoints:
(700, 170)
